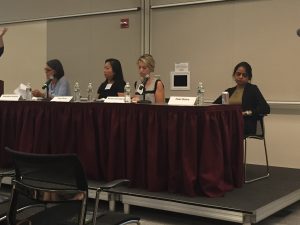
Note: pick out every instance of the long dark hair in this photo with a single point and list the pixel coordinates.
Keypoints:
(56, 65)
(116, 68)
(247, 68)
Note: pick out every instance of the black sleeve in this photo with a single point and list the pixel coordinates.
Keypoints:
(101, 90)
(218, 100)
(1, 51)
(262, 107)
(254, 100)
(119, 88)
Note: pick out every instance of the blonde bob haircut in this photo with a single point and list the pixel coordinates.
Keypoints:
(148, 60)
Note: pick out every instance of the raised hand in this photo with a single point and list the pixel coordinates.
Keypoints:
(3, 31)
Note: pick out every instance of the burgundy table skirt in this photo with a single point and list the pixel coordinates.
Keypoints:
(187, 150)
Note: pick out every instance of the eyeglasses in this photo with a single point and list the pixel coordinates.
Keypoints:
(239, 74)
(48, 70)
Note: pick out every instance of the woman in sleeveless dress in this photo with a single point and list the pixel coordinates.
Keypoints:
(149, 87)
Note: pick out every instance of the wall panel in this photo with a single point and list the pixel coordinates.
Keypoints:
(213, 38)
(14, 10)
(25, 55)
(84, 43)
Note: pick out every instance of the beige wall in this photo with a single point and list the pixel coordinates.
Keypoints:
(282, 133)
(34, 9)
(211, 37)
(83, 44)
(25, 55)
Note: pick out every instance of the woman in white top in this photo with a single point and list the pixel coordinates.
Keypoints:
(149, 87)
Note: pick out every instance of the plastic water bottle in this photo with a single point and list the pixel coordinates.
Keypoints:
(90, 92)
(76, 92)
(28, 92)
(200, 94)
(127, 97)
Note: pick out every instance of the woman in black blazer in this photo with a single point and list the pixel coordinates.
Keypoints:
(248, 95)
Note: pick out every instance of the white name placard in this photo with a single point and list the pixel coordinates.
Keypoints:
(11, 97)
(178, 100)
(112, 99)
(62, 99)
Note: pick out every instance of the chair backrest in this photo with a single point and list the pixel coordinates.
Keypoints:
(260, 129)
(48, 178)
(64, 169)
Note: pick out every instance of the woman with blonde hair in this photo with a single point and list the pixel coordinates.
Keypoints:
(149, 88)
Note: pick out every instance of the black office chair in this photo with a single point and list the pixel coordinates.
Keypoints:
(59, 182)
(259, 135)
(4, 196)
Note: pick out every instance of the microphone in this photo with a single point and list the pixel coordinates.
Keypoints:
(46, 84)
(143, 86)
(146, 78)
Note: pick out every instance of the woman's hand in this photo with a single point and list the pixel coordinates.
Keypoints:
(247, 113)
(135, 99)
(38, 93)
(2, 31)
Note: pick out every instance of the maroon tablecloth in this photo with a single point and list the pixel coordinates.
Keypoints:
(189, 150)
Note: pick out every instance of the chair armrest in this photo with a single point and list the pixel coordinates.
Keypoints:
(111, 184)
(49, 195)
(101, 187)
(7, 172)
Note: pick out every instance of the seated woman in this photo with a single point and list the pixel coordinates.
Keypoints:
(248, 95)
(57, 83)
(114, 81)
(149, 87)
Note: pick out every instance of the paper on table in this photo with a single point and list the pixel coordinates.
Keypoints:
(21, 90)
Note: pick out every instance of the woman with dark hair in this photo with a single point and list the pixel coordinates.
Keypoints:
(2, 32)
(57, 83)
(248, 95)
(114, 81)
